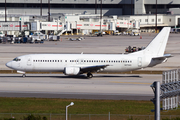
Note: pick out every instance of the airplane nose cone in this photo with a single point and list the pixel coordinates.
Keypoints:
(9, 64)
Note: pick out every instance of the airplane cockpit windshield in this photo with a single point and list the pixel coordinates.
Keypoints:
(16, 59)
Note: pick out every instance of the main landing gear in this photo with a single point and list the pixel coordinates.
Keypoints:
(89, 75)
(24, 75)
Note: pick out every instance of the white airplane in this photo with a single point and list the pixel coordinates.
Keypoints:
(76, 64)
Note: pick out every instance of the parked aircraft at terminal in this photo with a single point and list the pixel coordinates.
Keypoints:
(76, 64)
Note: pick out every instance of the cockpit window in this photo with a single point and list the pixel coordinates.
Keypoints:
(16, 59)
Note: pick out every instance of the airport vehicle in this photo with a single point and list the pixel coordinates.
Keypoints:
(135, 34)
(116, 32)
(96, 34)
(76, 64)
(125, 33)
(1, 34)
(76, 39)
(38, 37)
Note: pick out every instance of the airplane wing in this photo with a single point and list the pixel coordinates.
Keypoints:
(94, 68)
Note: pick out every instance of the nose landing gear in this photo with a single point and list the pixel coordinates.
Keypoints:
(24, 75)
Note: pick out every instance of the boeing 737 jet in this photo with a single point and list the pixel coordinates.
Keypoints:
(76, 64)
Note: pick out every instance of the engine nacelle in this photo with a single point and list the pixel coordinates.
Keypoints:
(71, 70)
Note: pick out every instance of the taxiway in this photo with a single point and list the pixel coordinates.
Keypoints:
(102, 86)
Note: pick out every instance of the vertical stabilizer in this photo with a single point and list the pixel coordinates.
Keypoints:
(158, 44)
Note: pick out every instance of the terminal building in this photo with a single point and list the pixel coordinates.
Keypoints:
(84, 16)
(109, 7)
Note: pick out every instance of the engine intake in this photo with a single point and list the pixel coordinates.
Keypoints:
(71, 70)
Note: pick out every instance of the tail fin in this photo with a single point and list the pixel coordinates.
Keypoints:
(158, 44)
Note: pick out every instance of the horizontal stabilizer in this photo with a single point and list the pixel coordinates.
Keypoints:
(163, 57)
(159, 60)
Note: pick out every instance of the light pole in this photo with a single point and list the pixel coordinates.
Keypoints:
(95, 6)
(101, 17)
(5, 12)
(41, 9)
(49, 10)
(71, 104)
(156, 16)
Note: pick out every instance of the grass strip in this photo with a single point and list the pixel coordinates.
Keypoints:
(49, 105)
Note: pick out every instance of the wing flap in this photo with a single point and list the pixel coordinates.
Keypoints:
(93, 68)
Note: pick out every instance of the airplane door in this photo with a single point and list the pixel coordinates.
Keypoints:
(139, 61)
(29, 62)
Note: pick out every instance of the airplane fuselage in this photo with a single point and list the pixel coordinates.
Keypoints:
(58, 62)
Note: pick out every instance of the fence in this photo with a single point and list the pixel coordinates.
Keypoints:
(50, 116)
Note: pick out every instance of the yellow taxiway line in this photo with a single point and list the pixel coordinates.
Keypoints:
(131, 82)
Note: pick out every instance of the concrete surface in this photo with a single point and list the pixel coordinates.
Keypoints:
(116, 87)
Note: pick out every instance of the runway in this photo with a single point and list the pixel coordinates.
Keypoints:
(101, 86)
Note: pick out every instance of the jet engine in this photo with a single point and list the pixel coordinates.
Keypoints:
(71, 70)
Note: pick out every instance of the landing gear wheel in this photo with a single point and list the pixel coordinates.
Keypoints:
(89, 75)
(24, 75)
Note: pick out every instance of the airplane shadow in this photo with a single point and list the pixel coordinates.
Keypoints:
(73, 77)
(118, 76)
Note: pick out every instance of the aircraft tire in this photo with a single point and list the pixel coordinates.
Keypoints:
(24, 75)
(89, 75)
